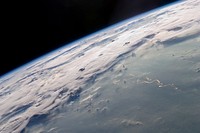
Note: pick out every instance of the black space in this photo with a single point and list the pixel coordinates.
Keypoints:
(32, 28)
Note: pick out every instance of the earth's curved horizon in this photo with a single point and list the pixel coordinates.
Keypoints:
(141, 75)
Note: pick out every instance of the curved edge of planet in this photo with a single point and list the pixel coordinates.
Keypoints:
(29, 94)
